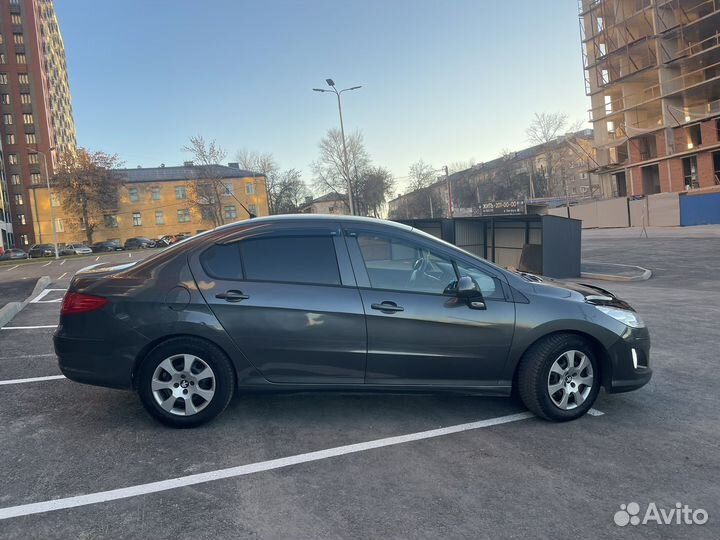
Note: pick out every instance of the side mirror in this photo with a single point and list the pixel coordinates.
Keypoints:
(468, 289)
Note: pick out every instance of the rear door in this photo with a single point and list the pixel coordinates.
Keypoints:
(419, 332)
(287, 296)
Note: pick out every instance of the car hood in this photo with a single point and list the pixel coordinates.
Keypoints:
(584, 292)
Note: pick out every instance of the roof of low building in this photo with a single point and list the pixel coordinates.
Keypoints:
(184, 172)
(328, 197)
(519, 155)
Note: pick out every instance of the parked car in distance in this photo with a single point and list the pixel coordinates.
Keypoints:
(314, 302)
(170, 239)
(165, 241)
(76, 248)
(13, 254)
(41, 250)
(106, 246)
(139, 242)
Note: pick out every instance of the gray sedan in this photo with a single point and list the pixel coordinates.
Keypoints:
(341, 303)
(76, 249)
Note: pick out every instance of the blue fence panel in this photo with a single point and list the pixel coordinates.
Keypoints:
(700, 209)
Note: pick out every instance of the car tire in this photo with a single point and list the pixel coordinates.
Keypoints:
(558, 378)
(177, 389)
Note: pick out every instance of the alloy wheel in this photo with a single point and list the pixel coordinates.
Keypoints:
(183, 384)
(570, 380)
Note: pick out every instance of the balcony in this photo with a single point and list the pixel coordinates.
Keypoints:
(668, 11)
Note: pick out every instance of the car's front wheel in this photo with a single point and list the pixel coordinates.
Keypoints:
(185, 382)
(558, 377)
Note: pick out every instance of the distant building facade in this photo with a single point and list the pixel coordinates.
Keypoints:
(653, 77)
(553, 170)
(154, 202)
(35, 106)
(330, 203)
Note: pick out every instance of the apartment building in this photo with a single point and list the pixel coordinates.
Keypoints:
(153, 202)
(6, 229)
(36, 122)
(653, 76)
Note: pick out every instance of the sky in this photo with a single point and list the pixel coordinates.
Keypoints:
(443, 81)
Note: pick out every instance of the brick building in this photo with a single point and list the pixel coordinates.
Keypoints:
(653, 77)
(152, 202)
(35, 108)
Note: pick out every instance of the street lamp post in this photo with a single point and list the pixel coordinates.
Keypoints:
(331, 84)
(52, 212)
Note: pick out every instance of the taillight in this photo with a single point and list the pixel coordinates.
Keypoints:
(81, 303)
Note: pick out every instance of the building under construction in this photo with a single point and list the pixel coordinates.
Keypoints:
(653, 75)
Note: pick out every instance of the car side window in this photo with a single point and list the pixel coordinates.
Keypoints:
(291, 259)
(222, 261)
(404, 266)
(489, 286)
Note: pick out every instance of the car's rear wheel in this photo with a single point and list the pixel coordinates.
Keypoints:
(185, 382)
(558, 377)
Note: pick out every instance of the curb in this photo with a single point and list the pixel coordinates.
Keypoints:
(11, 309)
(644, 275)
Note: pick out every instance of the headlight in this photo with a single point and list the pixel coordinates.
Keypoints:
(626, 317)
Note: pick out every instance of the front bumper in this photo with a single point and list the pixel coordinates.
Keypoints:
(624, 375)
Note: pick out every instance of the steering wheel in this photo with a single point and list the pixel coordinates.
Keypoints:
(418, 267)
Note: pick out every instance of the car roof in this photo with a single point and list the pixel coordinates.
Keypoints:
(315, 218)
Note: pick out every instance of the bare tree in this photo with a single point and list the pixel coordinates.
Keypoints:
(549, 130)
(265, 164)
(331, 171)
(207, 189)
(421, 175)
(457, 166)
(376, 185)
(88, 184)
(290, 192)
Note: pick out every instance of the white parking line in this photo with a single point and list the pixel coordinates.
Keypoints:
(28, 327)
(63, 262)
(39, 298)
(32, 379)
(27, 356)
(48, 264)
(243, 470)
(97, 258)
(65, 274)
(13, 268)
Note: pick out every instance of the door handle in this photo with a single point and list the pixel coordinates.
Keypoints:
(232, 296)
(387, 307)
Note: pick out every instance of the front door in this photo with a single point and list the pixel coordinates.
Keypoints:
(419, 331)
(287, 297)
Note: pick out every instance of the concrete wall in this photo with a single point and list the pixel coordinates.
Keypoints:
(659, 210)
(601, 214)
(663, 210)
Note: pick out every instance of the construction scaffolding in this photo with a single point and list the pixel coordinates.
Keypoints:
(651, 66)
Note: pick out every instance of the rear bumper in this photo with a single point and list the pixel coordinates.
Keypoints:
(106, 363)
(629, 362)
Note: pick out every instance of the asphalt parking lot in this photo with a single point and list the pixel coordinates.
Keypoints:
(66, 447)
